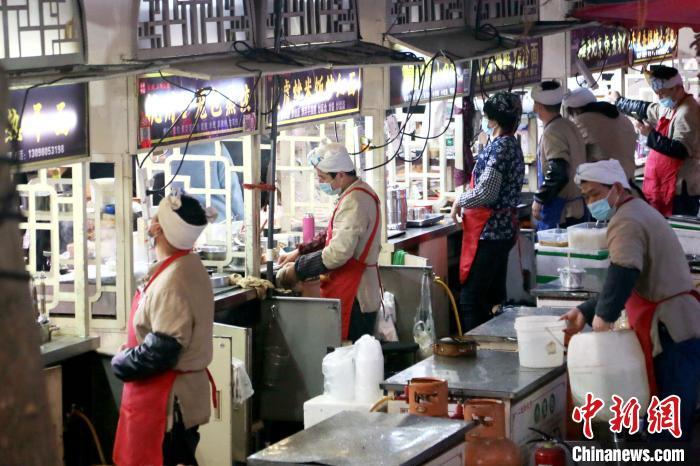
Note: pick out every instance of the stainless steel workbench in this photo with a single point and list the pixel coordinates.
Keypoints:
(63, 347)
(354, 438)
(414, 236)
(492, 374)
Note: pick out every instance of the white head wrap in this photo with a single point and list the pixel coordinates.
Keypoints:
(551, 97)
(606, 172)
(178, 232)
(578, 98)
(331, 157)
(657, 83)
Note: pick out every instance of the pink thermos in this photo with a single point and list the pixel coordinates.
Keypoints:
(308, 227)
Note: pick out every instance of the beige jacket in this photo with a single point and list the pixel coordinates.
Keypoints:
(609, 138)
(352, 228)
(562, 140)
(685, 127)
(180, 303)
(639, 237)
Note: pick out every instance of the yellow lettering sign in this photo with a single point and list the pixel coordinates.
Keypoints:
(37, 110)
(14, 131)
(297, 89)
(62, 127)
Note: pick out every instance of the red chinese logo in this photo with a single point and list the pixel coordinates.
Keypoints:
(586, 413)
(625, 415)
(665, 415)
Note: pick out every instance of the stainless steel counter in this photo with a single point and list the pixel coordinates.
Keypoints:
(230, 296)
(502, 327)
(592, 285)
(494, 374)
(354, 438)
(63, 347)
(415, 236)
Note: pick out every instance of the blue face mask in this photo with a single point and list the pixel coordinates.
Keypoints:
(667, 102)
(601, 209)
(326, 188)
(485, 127)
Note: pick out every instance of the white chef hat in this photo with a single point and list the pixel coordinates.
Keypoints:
(578, 98)
(331, 157)
(663, 77)
(548, 92)
(177, 231)
(606, 172)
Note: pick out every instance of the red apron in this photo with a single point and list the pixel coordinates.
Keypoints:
(343, 282)
(661, 172)
(473, 222)
(143, 411)
(640, 313)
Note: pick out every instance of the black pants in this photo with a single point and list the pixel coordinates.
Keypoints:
(361, 323)
(486, 285)
(180, 444)
(685, 204)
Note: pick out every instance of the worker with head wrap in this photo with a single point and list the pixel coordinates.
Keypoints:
(607, 133)
(488, 212)
(672, 128)
(648, 277)
(169, 345)
(561, 150)
(346, 255)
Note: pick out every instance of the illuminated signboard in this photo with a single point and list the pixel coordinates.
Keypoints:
(315, 95)
(599, 48)
(405, 82)
(54, 124)
(161, 103)
(650, 44)
(514, 68)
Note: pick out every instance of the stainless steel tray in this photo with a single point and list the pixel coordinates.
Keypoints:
(428, 221)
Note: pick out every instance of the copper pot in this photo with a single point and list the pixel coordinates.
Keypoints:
(491, 452)
(489, 413)
(427, 396)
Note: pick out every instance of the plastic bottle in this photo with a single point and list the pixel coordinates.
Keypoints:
(423, 325)
(369, 369)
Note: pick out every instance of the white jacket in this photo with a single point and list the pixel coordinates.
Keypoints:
(352, 228)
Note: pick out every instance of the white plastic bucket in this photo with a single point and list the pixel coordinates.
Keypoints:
(540, 341)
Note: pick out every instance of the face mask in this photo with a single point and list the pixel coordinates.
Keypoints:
(667, 102)
(601, 209)
(328, 189)
(485, 126)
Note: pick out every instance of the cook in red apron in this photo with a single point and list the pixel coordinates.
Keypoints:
(342, 283)
(144, 408)
(640, 313)
(474, 220)
(661, 172)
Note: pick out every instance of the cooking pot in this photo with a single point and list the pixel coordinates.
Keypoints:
(396, 208)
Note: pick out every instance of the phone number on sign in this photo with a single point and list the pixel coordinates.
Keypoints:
(47, 151)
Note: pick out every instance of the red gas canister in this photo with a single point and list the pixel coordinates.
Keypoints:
(549, 454)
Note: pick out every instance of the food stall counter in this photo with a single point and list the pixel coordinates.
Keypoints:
(415, 236)
(63, 347)
(554, 294)
(355, 438)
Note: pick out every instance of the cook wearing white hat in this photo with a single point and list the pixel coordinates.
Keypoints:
(649, 277)
(560, 151)
(347, 252)
(578, 98)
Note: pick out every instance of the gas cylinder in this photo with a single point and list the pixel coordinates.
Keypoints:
(487, 444)
(549, 454)
(427, 396)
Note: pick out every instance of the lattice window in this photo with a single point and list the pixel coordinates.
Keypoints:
(411, 15)
(314, 21)
(505, 12)
(39, 28)
(178, 27)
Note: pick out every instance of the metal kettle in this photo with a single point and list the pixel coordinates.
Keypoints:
(396, 208)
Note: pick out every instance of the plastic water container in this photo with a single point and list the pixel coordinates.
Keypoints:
(338, 370)
(369, 369)
(540, 341)
(593, 369)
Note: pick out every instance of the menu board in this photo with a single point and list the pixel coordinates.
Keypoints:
(511, 69)
(438, 82)
(54, 122)
(314, 95)
(162, 101)
(652, 44)
(599, 48)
